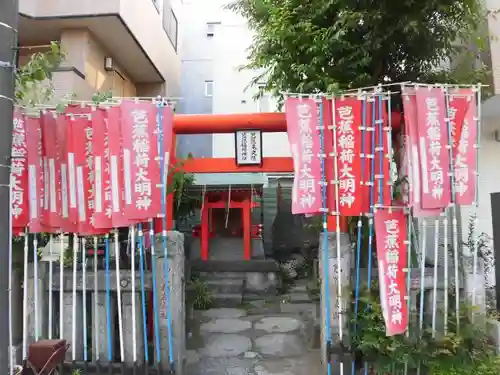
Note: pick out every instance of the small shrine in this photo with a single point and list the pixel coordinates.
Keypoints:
(227, 212)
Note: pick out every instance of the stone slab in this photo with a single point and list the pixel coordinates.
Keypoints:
(299, 308)
(278, 324)
(225, 326)
(221, 366)
(223, 312)
(309, 363)
(225, 345)
(279, 345)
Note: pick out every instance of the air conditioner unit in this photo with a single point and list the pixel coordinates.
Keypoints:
(108, 64)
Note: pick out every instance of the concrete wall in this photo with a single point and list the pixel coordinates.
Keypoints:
(82, 73)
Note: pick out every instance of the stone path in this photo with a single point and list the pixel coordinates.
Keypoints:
(260, 338)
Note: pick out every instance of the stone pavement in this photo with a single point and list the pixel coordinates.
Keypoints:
(260, 338)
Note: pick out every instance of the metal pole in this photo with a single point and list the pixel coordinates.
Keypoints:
(8, 40)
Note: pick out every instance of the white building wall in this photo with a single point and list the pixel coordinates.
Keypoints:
(494, 31)
(227, 51)
(232, 93)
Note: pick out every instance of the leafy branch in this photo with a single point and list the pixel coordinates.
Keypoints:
(33, 80)
(465, 349)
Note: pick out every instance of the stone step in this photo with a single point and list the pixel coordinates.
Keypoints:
(227, 299)
(222, 275)
(225, 285)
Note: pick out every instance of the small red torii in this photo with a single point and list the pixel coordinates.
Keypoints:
(271, 122)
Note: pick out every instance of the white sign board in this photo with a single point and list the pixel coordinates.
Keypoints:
(248, 147)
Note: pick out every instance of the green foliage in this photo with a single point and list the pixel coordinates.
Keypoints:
(33, 81)
(466, 348)
(329, 45)
(185, 202)
(202, 296)
(101, 97)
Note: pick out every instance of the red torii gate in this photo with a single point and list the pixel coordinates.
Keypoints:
(272, 122)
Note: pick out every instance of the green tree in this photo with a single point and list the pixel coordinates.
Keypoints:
(326, 45)
(33, 80)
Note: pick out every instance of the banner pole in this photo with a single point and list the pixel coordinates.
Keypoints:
(108, 298)
(61, 287)
(360, 222)
(84, 298)
(143, 292)
(95, 316)
(73, 330)
(476, 200)
(51, 271)
(434, 285)
(452, 210)
(372, 199)
(25, 293)
(134, 322)
(337, 231)
(326, 286)
(119, 296)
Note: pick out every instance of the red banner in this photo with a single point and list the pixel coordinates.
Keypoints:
(302, 123)
(64, 142)
(434, 157)
(382, 155)
(465, 154)
(102, 181)
(19, 173)
(35, 174)
(116, 168)
(457, 107)
(391, 232)
(328, 144)
(82, 141)
(414, 170)
(141, 170)
(348, 139)
(367, 151)
(51, 206)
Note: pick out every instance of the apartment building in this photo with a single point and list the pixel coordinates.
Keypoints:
(215, 46)
(127, 47)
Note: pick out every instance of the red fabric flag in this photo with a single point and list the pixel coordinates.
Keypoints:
(102, 182)
(348, 147)
(457, 107)
(36, 174)
(68, 223)
(302, 124)
(140, 152)
(367, 151)
(465, 154)
(414, 174)
(116, 168)
(19, 173)
(382, 188)
(329, 161)
(391, 233)
(434, 157)
(82, 141)
(51, 205)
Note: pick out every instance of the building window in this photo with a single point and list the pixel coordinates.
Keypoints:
(209, 88)
(171, 26)
(211, 28)
(263, 102)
